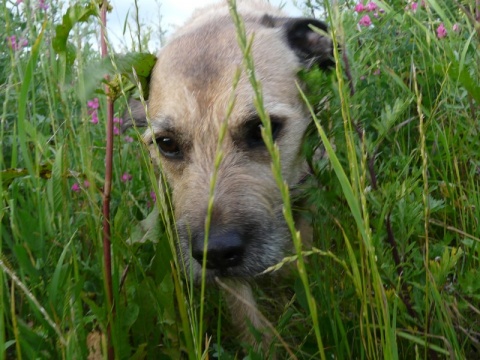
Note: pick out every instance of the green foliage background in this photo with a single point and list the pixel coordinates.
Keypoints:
(394, 272)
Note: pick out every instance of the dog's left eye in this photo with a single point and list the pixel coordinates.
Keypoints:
(253, 135)
(168, 147)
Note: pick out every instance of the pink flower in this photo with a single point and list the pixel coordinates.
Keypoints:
(441, 31)
(41, 5)
(365, 21)
(128, 139)
(86, 184)
(153, 196)
(93, 104)
(12, 42)
(456, 27)
(94, 117)
(76, 187)
(116, 130)
(359, 8)
(16, 45)
(19, 2)
(414, 7)
(371, 6)
(126, 177)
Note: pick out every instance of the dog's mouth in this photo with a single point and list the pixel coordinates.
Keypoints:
(222, 263)
(246, 264)
(211, 274)
(228, 268)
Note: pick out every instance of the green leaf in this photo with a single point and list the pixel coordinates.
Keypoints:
(131, 314)
(126, 71)
(142, 63)
(464, 77)
(136, 68)
(25, 262)
(74, 14)
(8, 175)
(59, 275)
(148, 230)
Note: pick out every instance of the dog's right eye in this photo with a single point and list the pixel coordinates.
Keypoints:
(168, 147)
(253, 133)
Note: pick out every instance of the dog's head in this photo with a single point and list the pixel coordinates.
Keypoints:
(190, 91)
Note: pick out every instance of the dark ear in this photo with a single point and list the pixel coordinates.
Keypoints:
(310, 46)
(134, 115)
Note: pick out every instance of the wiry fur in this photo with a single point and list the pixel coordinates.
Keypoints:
(190, 90)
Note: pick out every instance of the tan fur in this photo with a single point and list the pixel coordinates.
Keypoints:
(190, 90)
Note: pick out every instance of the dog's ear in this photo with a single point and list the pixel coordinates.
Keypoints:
(310, 46)
(134, 115)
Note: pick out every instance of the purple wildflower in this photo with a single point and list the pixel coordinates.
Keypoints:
(126, 177)
(16, 44)
(441, 31)
(41, 5)
(153, 196)
(94, 117)
(154, 199)
(360, 8)
(12, 42)
(371, 6)
(93, 104)
(365, 21)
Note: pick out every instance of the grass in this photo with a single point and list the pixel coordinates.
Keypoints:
(394, 272)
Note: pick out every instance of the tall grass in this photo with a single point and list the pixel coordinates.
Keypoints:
(393, 272)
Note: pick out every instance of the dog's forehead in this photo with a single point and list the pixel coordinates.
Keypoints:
(194, 75)
(202, 56)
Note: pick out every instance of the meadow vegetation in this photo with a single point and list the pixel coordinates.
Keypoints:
(395, 202)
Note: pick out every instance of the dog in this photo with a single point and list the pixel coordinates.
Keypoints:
(191, 88)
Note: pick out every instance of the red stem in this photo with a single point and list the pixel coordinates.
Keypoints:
(107, 254)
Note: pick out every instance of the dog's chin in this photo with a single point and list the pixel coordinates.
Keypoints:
(236, 272)
(230, 273)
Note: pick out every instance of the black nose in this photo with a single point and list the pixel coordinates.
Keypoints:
(224, 250)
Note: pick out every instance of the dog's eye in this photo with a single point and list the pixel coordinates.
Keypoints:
(253, 134)
(168, 147)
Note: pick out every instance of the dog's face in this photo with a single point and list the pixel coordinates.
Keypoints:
(190, 92)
